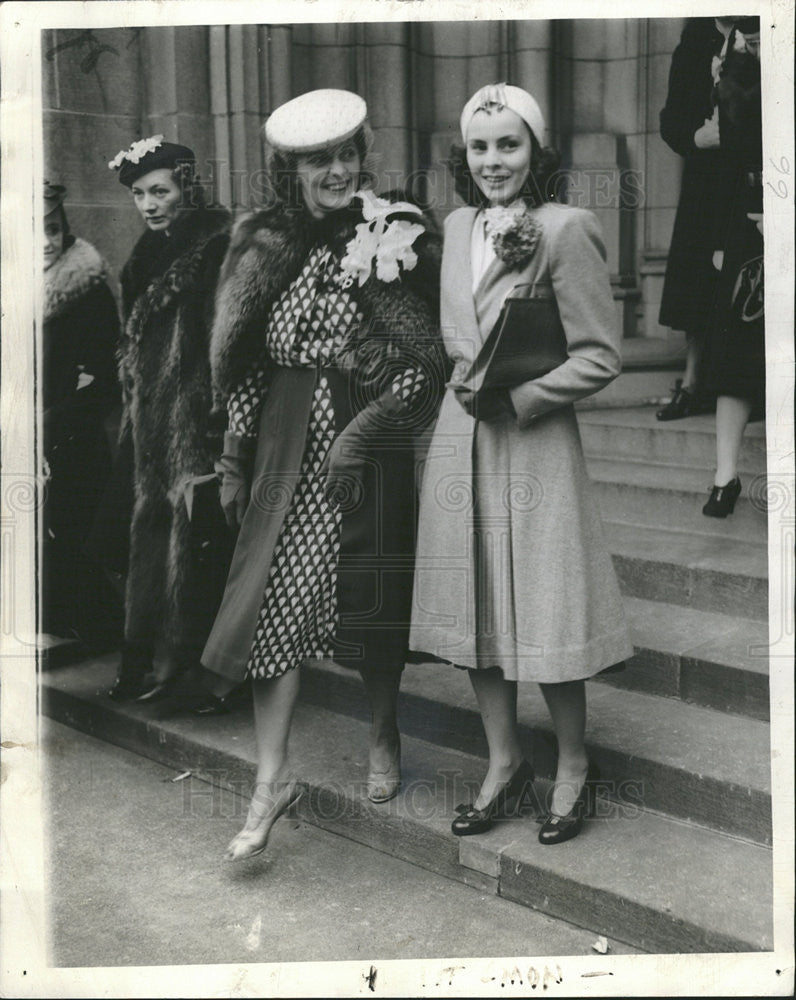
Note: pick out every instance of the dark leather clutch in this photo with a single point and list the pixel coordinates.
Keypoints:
(526, 342)
(204, 507)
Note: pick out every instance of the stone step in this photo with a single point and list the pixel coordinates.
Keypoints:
(635, 433)
(675, 758)
(672, 496)
(702, 657)
(650, 353)
(703, 572)
(705, 891)
(632, 388)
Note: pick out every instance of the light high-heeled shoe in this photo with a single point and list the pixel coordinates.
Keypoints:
(384, 785)
(253, 838)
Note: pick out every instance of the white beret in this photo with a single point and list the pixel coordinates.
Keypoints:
(315, 120)
(504, 95)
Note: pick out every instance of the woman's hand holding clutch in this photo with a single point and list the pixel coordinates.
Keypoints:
(486, 405)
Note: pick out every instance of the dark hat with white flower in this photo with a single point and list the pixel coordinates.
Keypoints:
(150, 154)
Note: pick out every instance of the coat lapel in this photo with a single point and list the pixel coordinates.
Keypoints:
(492, 291)
(459, 320)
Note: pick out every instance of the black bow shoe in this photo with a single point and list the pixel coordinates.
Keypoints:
(679, 405)
(556, 829)
(471, 820)
(722, 499)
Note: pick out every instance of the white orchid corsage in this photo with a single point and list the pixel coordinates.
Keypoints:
(515, 235)
(136, 152)
(379, 241)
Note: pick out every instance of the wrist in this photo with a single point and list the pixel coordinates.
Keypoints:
(237, 446)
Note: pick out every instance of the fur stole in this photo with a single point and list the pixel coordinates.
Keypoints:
(77, 271)
(267, 252)
(162, 268)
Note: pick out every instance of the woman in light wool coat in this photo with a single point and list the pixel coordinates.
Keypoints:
(512, 577)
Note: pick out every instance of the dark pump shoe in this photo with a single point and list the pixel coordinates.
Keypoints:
(557, 829)
(128, 686)
(722, 499)
(471, 820)
(160, 690)
(684, 403)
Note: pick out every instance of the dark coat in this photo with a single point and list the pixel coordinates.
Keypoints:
(399, 330)
(735, 353)
(79, 389)
(168, 287)
(690, 285)
(81, 327)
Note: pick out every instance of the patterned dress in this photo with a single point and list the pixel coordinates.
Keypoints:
(307, 327)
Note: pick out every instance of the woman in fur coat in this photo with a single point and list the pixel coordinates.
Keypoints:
(329, 370)
(513, 580)
(79, 389)
(167, 291)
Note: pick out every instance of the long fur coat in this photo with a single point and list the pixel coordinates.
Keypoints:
(399, 331)
(168, 286)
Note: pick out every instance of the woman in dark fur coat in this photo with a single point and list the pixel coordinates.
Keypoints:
(79, 390)
(330, 370)
(167, 292)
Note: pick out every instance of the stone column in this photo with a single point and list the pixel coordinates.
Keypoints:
(598, 119)
(92, 108)
(661, 170)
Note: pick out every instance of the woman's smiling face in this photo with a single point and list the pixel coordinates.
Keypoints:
(329, 179)
(499, 153)
(158, 197)
(53, 238)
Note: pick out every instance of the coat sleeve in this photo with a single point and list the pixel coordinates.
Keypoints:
(585, 303)
(687, 100)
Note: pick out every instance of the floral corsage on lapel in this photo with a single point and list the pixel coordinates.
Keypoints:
(381, 242)
(515, 235)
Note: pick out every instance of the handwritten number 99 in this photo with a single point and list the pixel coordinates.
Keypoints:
(781, 189)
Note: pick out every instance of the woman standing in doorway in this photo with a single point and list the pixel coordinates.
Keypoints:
(506, 510)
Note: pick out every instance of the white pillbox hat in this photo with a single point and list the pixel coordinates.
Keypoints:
(315, 120)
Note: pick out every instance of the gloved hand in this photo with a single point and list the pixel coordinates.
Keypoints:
(233, 469)
(489, 404)
(345, 461)
(707, 135)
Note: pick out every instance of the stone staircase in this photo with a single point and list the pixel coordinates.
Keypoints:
(678, 858)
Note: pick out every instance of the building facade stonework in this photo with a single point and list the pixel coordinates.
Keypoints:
(600, 84)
